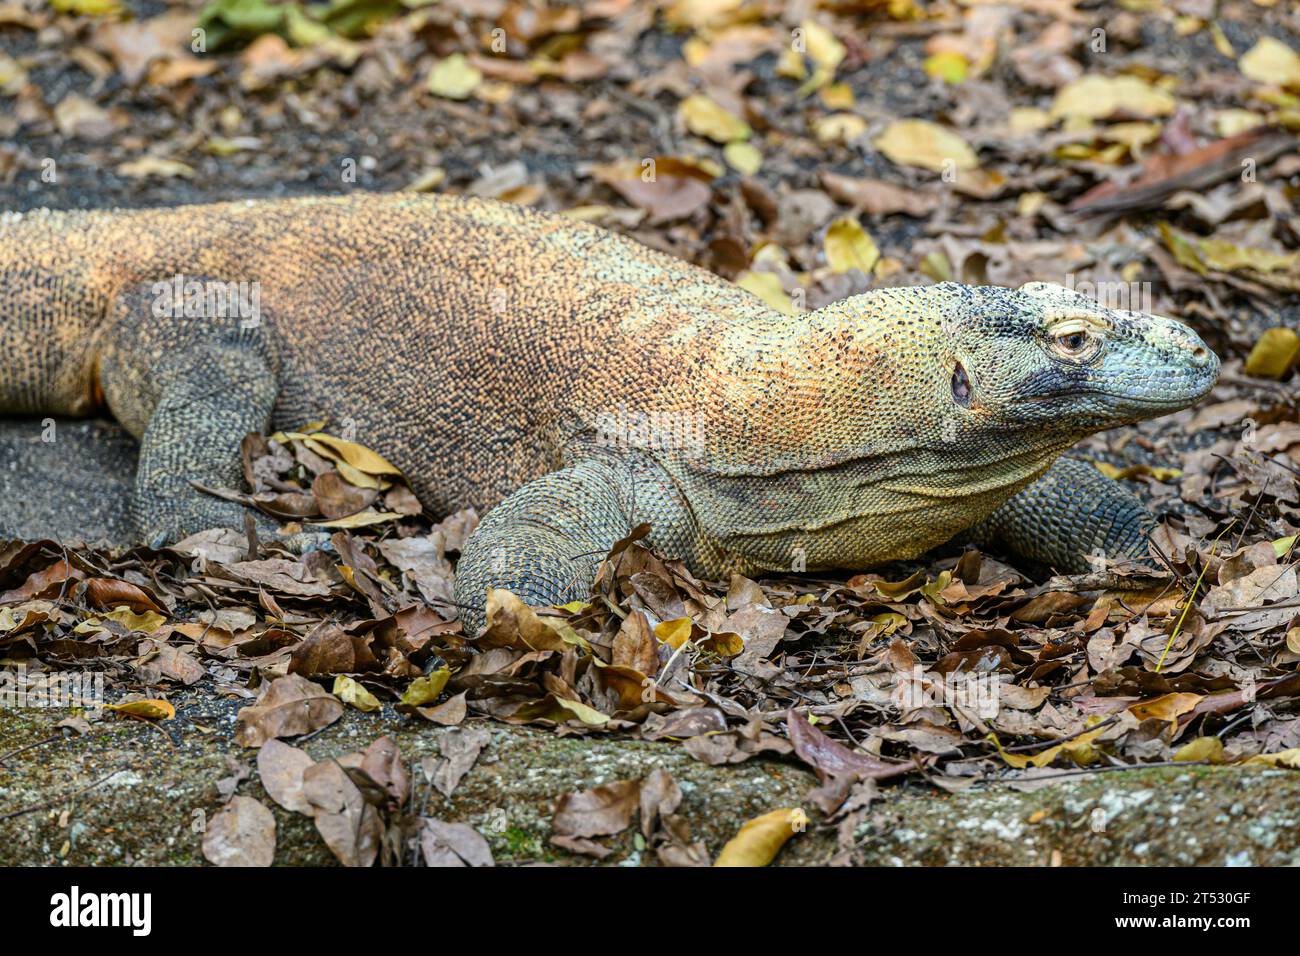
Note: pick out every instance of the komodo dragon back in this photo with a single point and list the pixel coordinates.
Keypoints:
(577, 384)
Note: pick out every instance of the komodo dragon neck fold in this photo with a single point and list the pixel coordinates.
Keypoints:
(576, 384)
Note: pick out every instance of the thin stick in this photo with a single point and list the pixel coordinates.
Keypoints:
(1114, 769)
(62, 798)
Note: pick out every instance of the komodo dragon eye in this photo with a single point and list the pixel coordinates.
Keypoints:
(1074, 340)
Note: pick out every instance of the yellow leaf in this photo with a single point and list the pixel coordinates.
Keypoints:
(1221, 42)
(937, 267)
(767, 287)
(425, 690)
(674, 633)
(887, 623)
(704, 164)
(88, 8)
(1135, 471)
(1079, 749)
(769, 253)
(1184, 251)
(150, 709)
(1226, 256)
(759, 840)
(826, 51)
(1112, 155)
(814, 83)
(362, 519)
(1028, 204)
(982, 184)
(1233, 121)
(694, 14)
(1029, 119)
(1132, 135)
(147, 621)
(1096, 97)
(304, 31)
(837, 96)
(1282, 546)
(1202, 748)
(225, 146)
(355, 476)
(933, 589)
(12, 76)
(1271, 61)
(791, 65)
(594, 212)
(560, 709)
(427, 181)
(839, 128)
(723, 643)
(1283, 758)
(1166, 707)
(949, 66)
(703, 117)
(744, 158)
(849, 246)
(454, 78)
(588, 715)
(148, 166)
(512, 623)
(1274, 353)
(10, 621)
(349, 691)
(340, 449)
(927, 145)
(695, 51)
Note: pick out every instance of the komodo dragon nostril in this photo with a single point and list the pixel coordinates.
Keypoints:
(1200, 356)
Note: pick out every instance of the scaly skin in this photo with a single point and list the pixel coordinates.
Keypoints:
(582, 384)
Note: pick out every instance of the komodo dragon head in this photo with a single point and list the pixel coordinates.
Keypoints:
(888, 422)
(1047, 359)
(1036, 367)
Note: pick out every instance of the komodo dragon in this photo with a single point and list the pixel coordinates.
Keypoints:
(578, 384)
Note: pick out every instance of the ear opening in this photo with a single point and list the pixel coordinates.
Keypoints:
(961, 390)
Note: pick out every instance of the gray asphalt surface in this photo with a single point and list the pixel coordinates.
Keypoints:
(74, 489)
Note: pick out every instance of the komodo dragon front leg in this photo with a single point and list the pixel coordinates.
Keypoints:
(545, 541)
(190, 401)
(1069, 518)
(211, 399)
